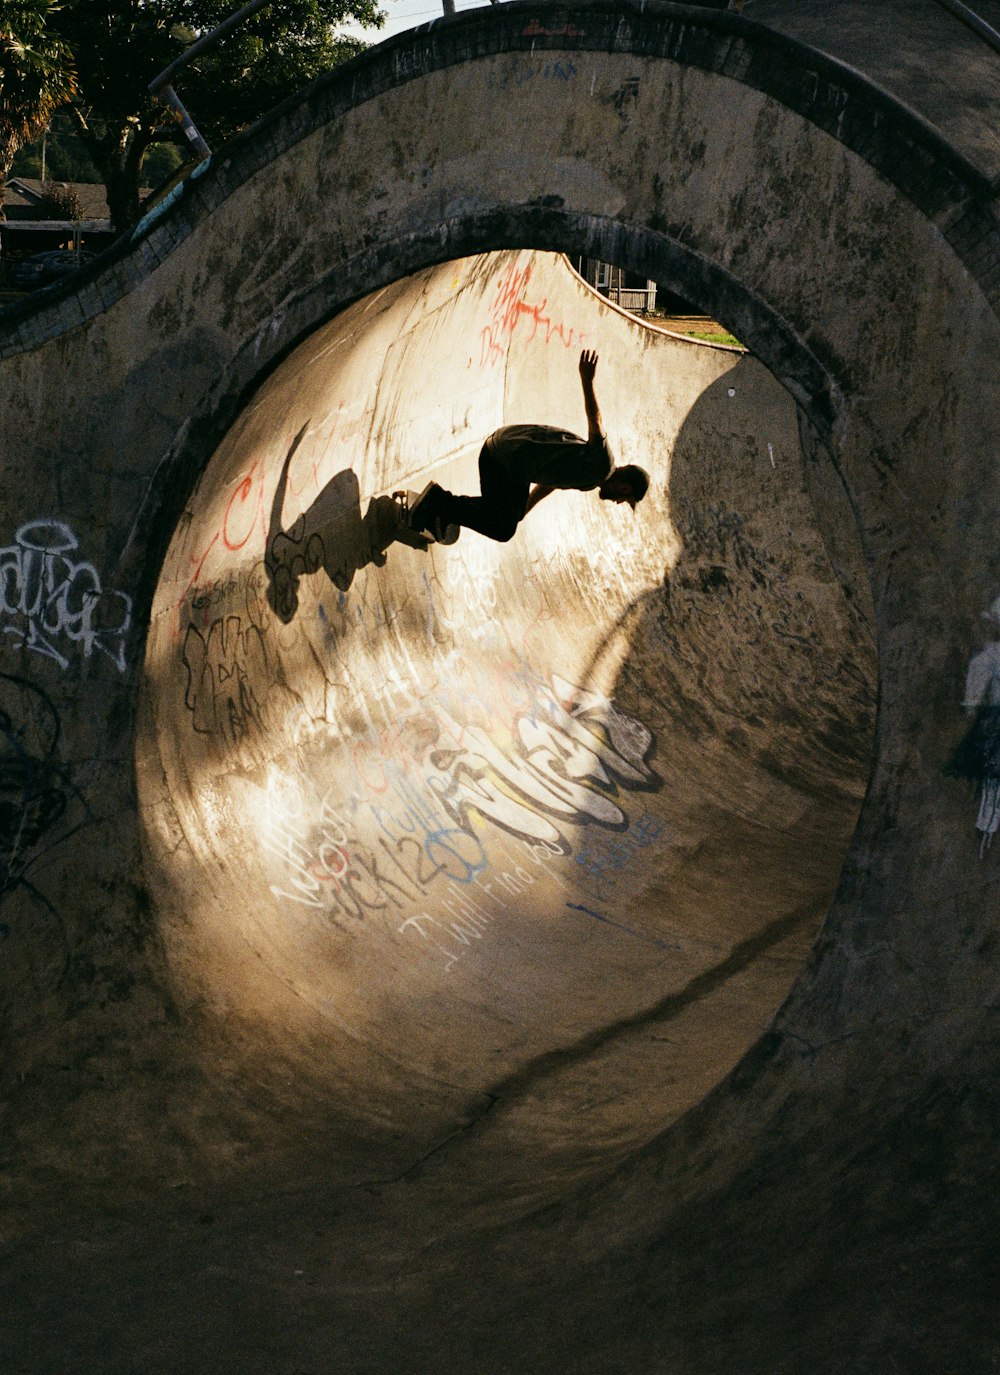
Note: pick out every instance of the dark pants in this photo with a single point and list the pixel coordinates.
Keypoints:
(497, 512)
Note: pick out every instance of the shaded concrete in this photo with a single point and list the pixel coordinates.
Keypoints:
(527, 1176)
(919, 51)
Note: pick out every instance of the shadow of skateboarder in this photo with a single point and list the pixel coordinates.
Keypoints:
(331, 536)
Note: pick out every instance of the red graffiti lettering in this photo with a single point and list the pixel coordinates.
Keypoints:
(510, 307)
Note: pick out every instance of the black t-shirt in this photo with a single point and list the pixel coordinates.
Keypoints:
(550, 456)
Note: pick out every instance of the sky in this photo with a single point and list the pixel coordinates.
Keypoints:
(404, 14)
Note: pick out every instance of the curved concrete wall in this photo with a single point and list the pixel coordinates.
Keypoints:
(512, 782)
(857, 256)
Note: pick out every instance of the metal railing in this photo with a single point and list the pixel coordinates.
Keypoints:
(161, 85)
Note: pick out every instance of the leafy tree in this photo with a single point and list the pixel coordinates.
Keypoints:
(121, 45)
(66, 159)
(59, 203)
(36, 75)
(276, 53)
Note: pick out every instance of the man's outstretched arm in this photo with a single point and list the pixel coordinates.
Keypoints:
(595, 427)
(588, 366)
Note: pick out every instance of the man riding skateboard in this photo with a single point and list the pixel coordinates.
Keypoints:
(520, 465)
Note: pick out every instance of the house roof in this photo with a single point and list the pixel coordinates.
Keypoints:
(22, 197)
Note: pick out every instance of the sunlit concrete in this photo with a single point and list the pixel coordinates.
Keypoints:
(551, 823)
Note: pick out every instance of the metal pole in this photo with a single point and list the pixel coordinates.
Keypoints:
(203, 42)
(160, 85)
(170, 96)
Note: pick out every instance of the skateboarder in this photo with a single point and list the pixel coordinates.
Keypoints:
(520, 465)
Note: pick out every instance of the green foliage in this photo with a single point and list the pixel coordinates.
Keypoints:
(59, 203)
(66, 157)
(275, 53)
(36, 74)
(715, 336)
(161, 162)
(121, 45)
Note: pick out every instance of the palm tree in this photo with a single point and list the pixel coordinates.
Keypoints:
(36, 76)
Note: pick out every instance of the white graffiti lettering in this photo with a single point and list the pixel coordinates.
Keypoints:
(47, 597)
(325, 867)
(562, 751)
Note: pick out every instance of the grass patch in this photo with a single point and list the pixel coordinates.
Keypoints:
(713, 336)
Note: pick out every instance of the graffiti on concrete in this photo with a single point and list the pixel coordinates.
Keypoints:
(602, 857)
(467, 915)
(243, 525)
(978, 755)
(440, 814)
(39, 807)
(554, 69)
(243, 514)
(570, 749)
(230, 669)
(334, 863)
(216, 595)
(511, 308)
(51, 601)
(434, 783)
(328, 864)
(32, 797)
(225, 667)
(228, 659)
(535, 29)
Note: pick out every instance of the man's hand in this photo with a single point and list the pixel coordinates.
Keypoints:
(588, 366)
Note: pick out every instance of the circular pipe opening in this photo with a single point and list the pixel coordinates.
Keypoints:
(542, 829)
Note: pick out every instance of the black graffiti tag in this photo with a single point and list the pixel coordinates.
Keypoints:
(227, 677)
(39, 806)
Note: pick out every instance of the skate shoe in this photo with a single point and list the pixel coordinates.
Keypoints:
(423, 517)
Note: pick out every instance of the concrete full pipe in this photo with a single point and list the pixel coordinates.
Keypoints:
(569, 954)
(452, 780)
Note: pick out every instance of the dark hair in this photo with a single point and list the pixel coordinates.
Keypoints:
(636, 477)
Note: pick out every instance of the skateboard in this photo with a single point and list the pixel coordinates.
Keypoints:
(406, 501)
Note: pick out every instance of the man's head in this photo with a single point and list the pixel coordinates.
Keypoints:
(628, 483)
